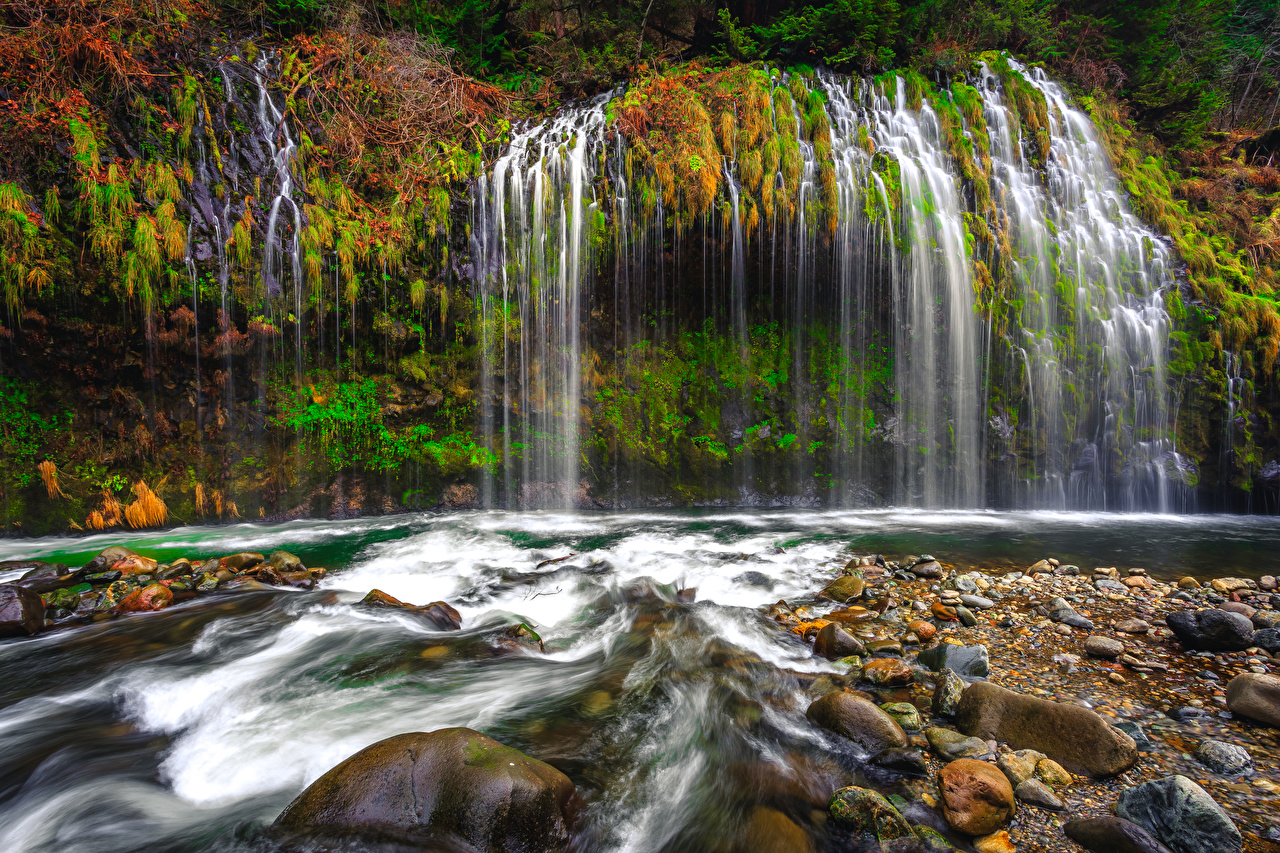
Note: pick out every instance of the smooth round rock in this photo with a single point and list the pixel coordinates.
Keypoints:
(1255, 696)
(965, 661)
(438, 788)
(977, 798)
(1103, 647)
(1225, 759)
(905, 713)
(833, 642)
(858, 720)
(1211, 630)
(923, 630)
(844, 589)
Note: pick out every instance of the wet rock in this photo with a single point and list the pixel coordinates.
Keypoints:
(757, 579)
(179, 568)
(905, 713)
(1264, 619)
(1226, 586)
(1211, 630)
(930, 570)
(207, 582)
(858, 720)
(1255, 696)
(924, 631)
(1112, 835)
(966, 617)
(1188, 583)
(834, 642)
(438, 613)
(1133, 626)
(301, 580)
(888, 672)
(1103, 647)
(965, 661)
(977, 601)
(1181, 815)
(941, 611)
(242, 561)
(268, 575)
(906, 761)
(1063, 613)
(951, 745)
(1074, 736)
(44, 577)
(977, 798)
(283, 561)
(844, 589)
(931, 841)
(1225, 759)
(1037, 793)
(946, 693)
(1268, 639)
(21, 611)
(860, 810)
(1017, 768)
(770, 831)
(107, 558)
(1135, 731)
(134, 564)
(145, 599)
(433, 789)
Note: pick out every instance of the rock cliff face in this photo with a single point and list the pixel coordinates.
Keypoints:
(250, 292)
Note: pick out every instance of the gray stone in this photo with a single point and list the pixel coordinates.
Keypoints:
(1110, 585)
(1103, 647)
(930, 569)
(1037, 793)
(1135, 731)
(1267, 638)
(952, 745)
(1181, 815)
(966, 617)
(946, 694)
(962, 584)
(1212, 630)
(1133, 626)
(907, 761)
(977, 601)
(1225, 759)
(1255, 696)
(1266, 619)
(1112, 835)
(965, 661)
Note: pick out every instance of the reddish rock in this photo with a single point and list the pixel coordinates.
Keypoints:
(21, 611)
(977, 798)
(154, 597)
(888, 672)
(922, 629)
(943, 612)
(134, 564)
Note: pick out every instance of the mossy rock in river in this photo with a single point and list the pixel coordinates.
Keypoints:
(861, 810)
(451, 787)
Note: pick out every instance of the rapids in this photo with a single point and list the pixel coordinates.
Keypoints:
(190, 729)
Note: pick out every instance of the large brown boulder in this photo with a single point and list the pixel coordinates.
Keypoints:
(1255, 696)
(1075, 737)
(860, 721)
(21, 611)
(439, 790)
(977, 798)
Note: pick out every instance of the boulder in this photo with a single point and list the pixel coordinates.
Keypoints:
(976, 797)
(860, 811)
(134, 564)
(946, 694)
(438, 613)
(283, 561)
(1211, 630)
(858, 720)
(21, 611)
(844, 589)
(969, 662)
(242, 561)
(1075, 737)
(44, 577)
(1255, 696)
(1112, 835)
(450, 787)
(1181, 815)
(834, 642)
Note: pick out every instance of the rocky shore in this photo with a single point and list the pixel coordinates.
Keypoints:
(1047, 709)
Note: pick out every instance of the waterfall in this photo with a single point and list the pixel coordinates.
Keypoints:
(536, 219)
(991, 315)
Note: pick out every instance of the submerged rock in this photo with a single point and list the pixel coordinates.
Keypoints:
(1225, 759)
(1181, 815)
(242, 561)
(1112, 835)
(770, 831)
(1211, 630)
(976, 797)
(1076, 737)
(143, 599)
(1255, 696)
(858, 720)
(21, 611)
(437, 788)
(844, 589)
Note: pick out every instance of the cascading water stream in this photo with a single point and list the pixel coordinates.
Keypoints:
(887, 265)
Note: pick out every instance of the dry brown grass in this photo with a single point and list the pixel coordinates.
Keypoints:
(147, 510)
(49, 474)
(107, 517)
